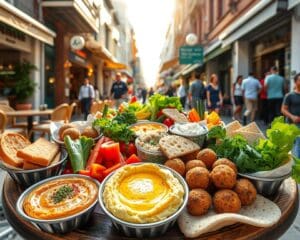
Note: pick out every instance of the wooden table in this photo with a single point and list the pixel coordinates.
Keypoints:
(29, 114)
(100, 226)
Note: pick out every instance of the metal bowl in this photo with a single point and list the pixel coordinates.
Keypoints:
(266, 186)
(27, 178)
(61, 225)
(148, 229)
(199, 139)
(149, 156)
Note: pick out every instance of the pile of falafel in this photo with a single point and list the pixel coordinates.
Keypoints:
(208, 176)
(70, 129)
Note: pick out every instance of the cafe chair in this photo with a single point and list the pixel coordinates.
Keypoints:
(71, 110)
(4, 128)
(60, 114)
(11, 121)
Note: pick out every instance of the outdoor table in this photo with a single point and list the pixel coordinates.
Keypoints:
(100, 227)
(29, 114)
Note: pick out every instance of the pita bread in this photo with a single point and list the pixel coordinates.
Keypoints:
(175, 115)
(251, 127)
(231, 127)
(262, 213)
(251, 137)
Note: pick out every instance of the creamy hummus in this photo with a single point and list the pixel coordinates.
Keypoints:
(150, 141)
(144, 193)
(148, 127)
(60, 198)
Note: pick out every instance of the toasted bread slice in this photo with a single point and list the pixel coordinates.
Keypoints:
(10, 144)
(28, 165)
(175, 115)
(232, 127)
(176, 146)
(40, 152)
(251, 137)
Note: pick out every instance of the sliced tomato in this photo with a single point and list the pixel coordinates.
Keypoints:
(168, 122)
(68, 171)
(133, 99)
(133, 159)
(127, 149)
(110, 152)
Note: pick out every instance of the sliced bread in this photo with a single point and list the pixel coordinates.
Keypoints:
(176, 146)
(175, 115)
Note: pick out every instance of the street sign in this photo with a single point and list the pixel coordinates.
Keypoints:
(191, 54)
(77, 42)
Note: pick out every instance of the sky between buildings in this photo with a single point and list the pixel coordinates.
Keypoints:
(150, 19)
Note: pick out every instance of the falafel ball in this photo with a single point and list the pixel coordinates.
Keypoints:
(199, 202)
(90, 132)
(225, 161)
(246, 191)
(226, 201)
(223, 177)
(197, 177)
(176, 164)
(194, 163)
(74, 133)
(208, 156)
(63, 128)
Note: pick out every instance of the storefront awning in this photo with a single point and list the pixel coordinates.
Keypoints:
(218, 51)
(14, 17)
(114, 65)
(259, 14)
(168, 64)
(79, 16)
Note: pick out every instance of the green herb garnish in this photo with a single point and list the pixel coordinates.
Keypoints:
(62, 193)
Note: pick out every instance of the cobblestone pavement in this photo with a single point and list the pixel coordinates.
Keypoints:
(293, 232)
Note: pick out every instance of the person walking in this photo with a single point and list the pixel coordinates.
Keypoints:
(118, 90)
(214, 95)
(86, 96)
(97, 94)
(181, 92)
(251, 88)
(263, 97)
(274, 84)
(196, 90)
(238, 98)
(291, 110)
(151, 92)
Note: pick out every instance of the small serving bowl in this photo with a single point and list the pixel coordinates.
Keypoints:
(266, 186)
(199, 138)
(61, 225)
(149, 156)
(163, 127)
(145, 230)
(27, 178)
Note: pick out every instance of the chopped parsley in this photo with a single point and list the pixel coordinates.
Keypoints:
(62, 193)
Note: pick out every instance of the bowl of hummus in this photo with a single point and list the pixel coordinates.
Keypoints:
(143, 200)
(59, 204)
(145, 127)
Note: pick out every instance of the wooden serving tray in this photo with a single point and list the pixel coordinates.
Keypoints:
(100, 227)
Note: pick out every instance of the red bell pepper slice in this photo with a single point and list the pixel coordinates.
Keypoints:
(133, 99)
(97, 170)
(111, 169)
(110, 152)
(133, 159)
(85, 172)
(94, 154)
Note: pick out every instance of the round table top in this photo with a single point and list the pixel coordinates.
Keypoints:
(100, 226)
(28, 113)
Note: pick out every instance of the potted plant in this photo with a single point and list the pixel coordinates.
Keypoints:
(25, 85)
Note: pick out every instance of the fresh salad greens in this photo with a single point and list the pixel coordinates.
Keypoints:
(79, 151)
(126, 117)
(296, 170)
(116, 131)
(267, 154)
(158, 102)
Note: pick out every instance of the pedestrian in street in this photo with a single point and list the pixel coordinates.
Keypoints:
(170, 92)
(251, 88)
(118, 91)
(144, 95)
(263, 97)
(196, 90)
(86, 96)
(97, 94)
(151, 92)
(274, 84)
(214, 95)
(238, 98)
(181, 92)
(291, 110)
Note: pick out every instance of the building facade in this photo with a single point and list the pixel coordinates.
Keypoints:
(240, 37)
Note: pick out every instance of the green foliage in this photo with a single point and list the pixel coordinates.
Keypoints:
(25, 86)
